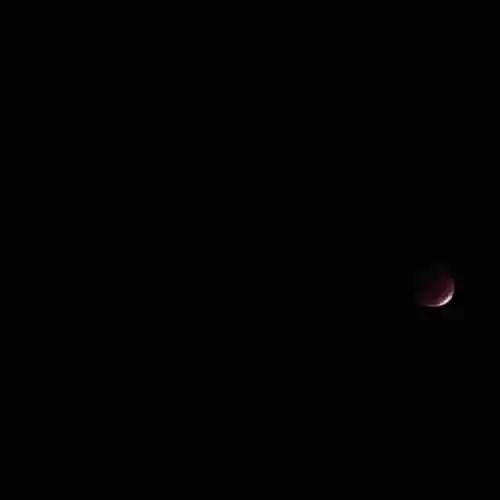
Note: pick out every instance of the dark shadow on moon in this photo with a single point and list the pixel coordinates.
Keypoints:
(434, 286)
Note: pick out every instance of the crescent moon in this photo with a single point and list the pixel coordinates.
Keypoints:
(437, 292)
(444, 300)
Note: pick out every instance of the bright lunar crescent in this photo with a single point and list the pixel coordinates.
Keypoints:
(437, 292)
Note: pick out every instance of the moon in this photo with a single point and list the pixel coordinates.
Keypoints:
(435, 289)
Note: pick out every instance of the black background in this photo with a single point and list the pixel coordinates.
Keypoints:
(317, 182)
(347, 195)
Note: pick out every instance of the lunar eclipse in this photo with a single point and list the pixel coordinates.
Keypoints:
(434, 288)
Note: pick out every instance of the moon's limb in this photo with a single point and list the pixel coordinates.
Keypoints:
(437, 293)
(446, 299)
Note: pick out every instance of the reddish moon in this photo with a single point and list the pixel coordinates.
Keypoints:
(435, 289)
